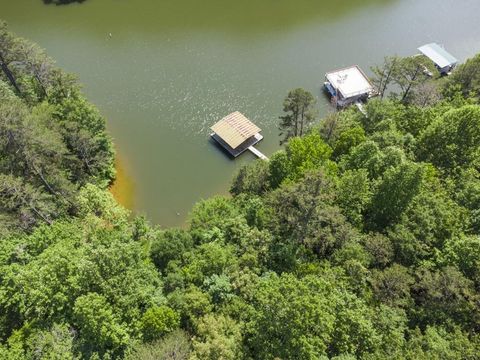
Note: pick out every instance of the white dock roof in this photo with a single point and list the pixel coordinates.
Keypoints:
(438, 55)
(350, 81)
(235, 129)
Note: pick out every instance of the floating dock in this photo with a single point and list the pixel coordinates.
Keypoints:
(360, 107)
(236, 134)
(257, 152)
(348, 85)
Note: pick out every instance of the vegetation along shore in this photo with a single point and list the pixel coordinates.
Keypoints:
(358, 240)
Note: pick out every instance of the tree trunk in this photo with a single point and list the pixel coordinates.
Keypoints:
(48, 186)
(414, 77)
(296, 120)
(387, 80)
(29, 205)
(9, 74)
(302, 121)
(44, 90)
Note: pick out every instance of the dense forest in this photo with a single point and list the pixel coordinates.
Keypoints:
(359, 240)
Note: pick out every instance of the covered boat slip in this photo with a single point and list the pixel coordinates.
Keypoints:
(236, 134)
(443, 60)
(235, 152)
(348, 85)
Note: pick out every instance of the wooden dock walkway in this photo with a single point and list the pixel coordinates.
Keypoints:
(257, 153)
(360, 107)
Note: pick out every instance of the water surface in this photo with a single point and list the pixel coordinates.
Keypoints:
(163, 71)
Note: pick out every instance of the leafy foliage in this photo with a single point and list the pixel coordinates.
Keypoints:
(52, 141)
(359, 240)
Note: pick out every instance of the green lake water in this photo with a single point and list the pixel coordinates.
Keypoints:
(163, 71)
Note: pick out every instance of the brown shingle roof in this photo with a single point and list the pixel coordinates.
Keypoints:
(235, 128)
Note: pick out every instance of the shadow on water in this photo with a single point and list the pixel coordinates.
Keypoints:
(220, 148)
(62, 2)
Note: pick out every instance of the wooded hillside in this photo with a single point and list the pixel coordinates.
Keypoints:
(359, 240)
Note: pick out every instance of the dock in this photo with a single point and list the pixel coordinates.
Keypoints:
(257, 152)
(348, 85)
(236, 134)
(443, 60)
(360, 107)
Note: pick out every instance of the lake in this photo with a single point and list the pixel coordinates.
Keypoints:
(163, 71)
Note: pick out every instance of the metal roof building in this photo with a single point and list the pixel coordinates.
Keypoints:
(443, 60)
(348, 85)
(237, 134)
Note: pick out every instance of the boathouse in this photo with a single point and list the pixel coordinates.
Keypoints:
(236, 134)
(347, 86)
(443, 60)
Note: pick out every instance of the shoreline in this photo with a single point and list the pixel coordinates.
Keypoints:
(123, 188)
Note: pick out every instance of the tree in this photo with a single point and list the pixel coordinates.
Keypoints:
(278, 167)
(427, 94)
(210, 214)
(158, 321)
(381, 110)
(463, 252)
(383, 75)
(209, 259)
(33, 149)
(392, 286)
(467, 194)
(217, 337)
(366, 156)
(444, 296)
(170, 245)
(347, 140)
(34, 342)
(7, 46)
(26, 205)
(393, 195)
(380, 249)
(304, 213)
(453, 140)
(191, 303)
(309, 318)
(85, 260)
(431, 219)
(300, 156)
(252, 179)
(84, 132)
(38, 65)
(405, 72)
(93, 201)
(306, 154)
(354, 194)
(436, 342)
(56, 343)
(410, 73)
(100, 329)
(466, 77)
(219, 287)
(298, 106)
(174, 346)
